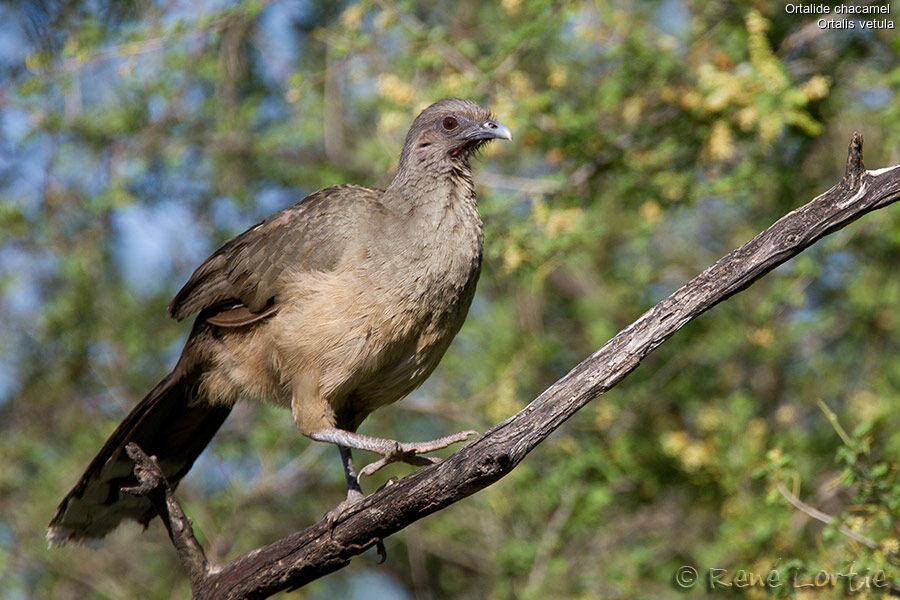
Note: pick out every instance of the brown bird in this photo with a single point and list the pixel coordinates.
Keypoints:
(335, 306)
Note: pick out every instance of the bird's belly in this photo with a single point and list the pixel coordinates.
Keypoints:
(370, 345)
(408, 368)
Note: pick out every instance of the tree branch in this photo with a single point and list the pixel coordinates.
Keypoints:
(818, 515)
(320, 549)
(153, 485)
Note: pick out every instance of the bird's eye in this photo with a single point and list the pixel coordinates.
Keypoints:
(449, 123)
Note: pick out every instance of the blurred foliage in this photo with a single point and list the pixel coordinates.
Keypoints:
(651, 137)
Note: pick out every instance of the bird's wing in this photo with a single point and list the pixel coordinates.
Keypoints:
(239, 283)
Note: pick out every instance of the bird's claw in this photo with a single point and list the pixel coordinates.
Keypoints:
(408, 452)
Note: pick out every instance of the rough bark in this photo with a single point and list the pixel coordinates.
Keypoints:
(322, 548)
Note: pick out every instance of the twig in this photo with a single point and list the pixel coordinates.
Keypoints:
(138, 47)
(453, 56)
(818, 515)
(152, 484)
(550, 538)
(536, 186)
(418, 573)
(832, 418)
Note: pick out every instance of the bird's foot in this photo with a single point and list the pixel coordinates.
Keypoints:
(409, 452)
(390, 450)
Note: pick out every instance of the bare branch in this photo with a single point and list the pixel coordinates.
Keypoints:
(818, 515)
(153, 485)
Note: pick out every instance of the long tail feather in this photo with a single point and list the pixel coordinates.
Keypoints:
(170, 423)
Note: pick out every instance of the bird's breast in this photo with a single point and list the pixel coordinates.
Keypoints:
(432, 283)
(375, 327)
(440, 268)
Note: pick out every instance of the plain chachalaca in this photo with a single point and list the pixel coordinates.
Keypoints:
(335, 306)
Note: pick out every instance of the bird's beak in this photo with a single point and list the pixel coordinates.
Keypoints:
(488, 130)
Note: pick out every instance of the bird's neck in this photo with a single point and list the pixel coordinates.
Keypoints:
(441, 208)
(432, 191)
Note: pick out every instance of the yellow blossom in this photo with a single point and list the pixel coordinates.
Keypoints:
(632, 109)
(786, 414)
(604, 415)
(650, 211)
(511, 6)
(816, 88)
(695, 456)
(710, 419)
(453, 83)
(563, 221)
(396, 90)
(557, 77)
(721, 144)
(762, 336)
(674, 442)
(867, 406)
(747, 117)
(352, 16)
(293, 94)
(690, 100)
(384, 19)
(856, 523)
(391, 122)
(520, 84)
(757, 428)
(512, 258)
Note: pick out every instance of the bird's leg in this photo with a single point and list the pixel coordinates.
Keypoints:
(390, 450)
(354, 492)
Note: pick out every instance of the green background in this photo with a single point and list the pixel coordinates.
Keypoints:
(650, 138)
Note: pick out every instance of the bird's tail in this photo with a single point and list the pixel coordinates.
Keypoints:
(171, 423)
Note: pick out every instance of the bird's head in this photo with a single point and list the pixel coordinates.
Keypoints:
(447, 132)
